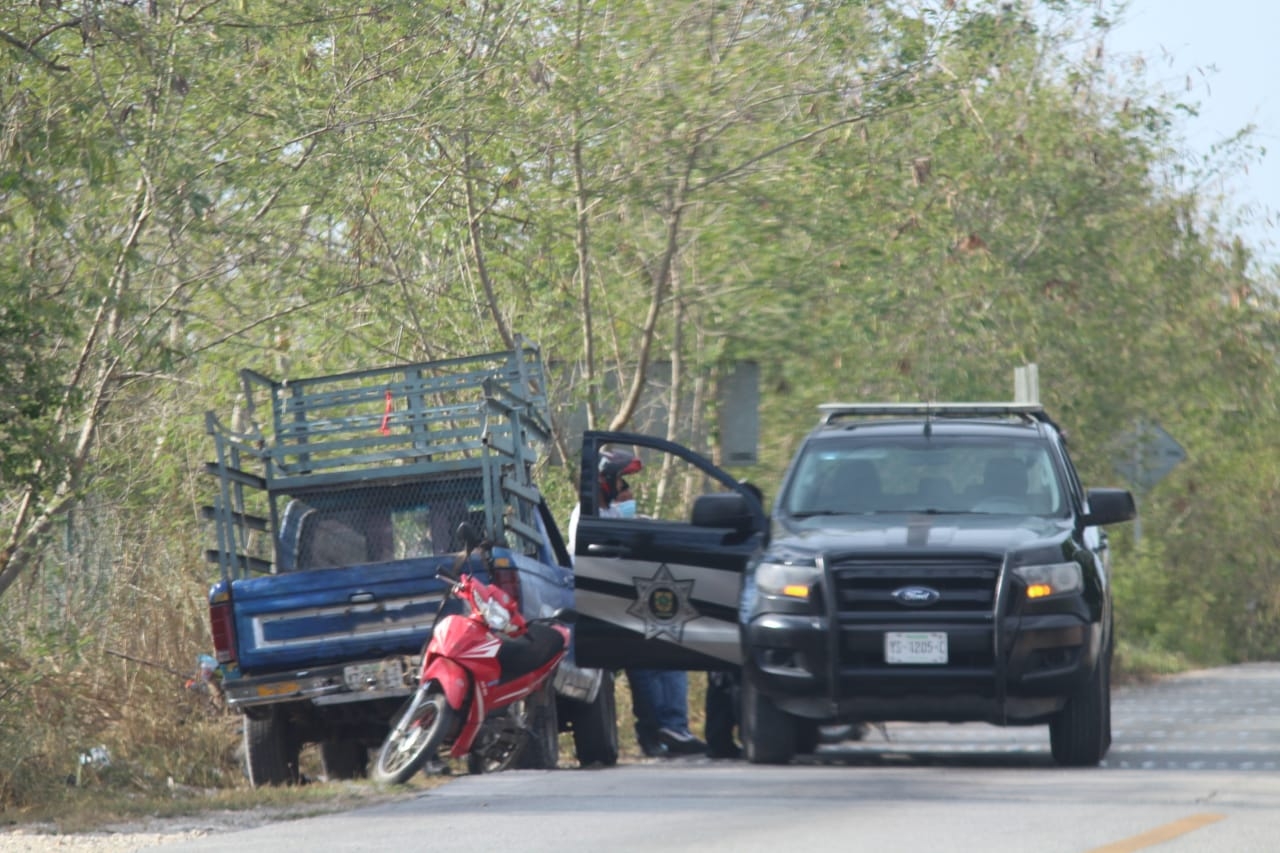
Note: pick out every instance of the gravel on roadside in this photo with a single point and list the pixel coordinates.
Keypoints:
(122, 838)
(153, 831)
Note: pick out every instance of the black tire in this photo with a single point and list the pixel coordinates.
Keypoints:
(542, 749)
(768, 734)
(496, 748)
(595, 726)
(416, 736)
(270, 751)
(807, 737)
(344, 759)
(1080, 734)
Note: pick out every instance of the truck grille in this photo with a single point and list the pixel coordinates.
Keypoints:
(864, 588)
(866, 609)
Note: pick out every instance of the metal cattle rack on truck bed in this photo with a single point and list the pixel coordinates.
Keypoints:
(381, 428)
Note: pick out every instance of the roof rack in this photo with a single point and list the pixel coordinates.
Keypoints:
(1026, 411)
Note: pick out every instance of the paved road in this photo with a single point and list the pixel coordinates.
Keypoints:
(1219, 719)
(1193, 769)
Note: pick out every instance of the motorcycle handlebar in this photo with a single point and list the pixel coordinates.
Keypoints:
(452, 573)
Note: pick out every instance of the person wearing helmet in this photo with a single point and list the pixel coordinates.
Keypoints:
(614, 466)
(659, 697)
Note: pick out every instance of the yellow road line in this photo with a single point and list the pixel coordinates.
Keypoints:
(1160, 834)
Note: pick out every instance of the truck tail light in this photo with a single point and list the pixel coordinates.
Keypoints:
(506, 578)
(224, 631)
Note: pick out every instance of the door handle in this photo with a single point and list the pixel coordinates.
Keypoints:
(608, 550)
(364, 602)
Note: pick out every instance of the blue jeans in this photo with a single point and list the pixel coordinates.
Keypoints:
(660, 700)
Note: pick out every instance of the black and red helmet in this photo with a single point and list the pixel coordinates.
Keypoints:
(614, 465)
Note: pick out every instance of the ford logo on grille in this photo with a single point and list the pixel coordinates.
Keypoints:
(916, 596)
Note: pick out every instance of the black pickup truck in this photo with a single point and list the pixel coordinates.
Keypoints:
(923, 562)
(932, 562)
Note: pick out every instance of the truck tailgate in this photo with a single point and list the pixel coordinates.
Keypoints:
(300, 619)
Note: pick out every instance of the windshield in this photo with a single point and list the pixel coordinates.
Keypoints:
(925, 474)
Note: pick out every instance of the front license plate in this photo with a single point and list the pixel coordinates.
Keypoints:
(374, 676)
(915, 647)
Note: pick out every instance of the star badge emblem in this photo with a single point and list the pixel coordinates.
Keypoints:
(663, 604)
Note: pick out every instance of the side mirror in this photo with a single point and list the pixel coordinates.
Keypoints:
(1109, 506)
(723, 510)
(466, 534)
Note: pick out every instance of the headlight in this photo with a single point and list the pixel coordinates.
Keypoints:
(1052, 579)
(794, 579)
(495, 615)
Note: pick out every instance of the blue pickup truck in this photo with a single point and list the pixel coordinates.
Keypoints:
(331, 520)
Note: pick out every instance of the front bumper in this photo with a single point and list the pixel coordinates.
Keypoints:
(1021, 671)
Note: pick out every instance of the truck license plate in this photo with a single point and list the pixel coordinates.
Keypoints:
(915, 647)
(374, 676)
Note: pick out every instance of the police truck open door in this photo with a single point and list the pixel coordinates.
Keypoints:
(661, 590)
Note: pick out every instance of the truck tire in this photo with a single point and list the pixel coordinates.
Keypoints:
(542, 750)
(270, 750)
(595, 726)
(808, 737)
(768, 734)
(344, 759)
(1080, 734)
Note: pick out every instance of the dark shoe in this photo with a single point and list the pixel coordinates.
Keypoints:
(653, 748)
(732, 751)
(681, 743)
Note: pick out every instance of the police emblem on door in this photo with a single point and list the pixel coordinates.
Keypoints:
(663, 604)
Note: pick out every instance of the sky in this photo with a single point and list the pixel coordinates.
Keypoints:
(1230, 50)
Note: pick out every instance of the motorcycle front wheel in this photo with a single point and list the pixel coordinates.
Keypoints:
(417, 733)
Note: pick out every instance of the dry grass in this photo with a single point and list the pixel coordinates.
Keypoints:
(172, 750)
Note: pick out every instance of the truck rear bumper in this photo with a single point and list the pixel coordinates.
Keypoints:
(790, 659)
(358, 681)
(388, 678)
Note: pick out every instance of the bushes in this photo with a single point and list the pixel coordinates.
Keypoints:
(97, 646)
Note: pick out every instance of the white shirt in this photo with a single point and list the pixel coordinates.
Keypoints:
(604, 512)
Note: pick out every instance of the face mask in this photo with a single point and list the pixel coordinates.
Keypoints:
(626, 509)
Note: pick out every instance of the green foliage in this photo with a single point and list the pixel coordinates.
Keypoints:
(30, 391)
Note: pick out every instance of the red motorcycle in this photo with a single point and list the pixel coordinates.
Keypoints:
(478, 669)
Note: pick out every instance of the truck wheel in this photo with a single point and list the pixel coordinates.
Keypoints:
(344, 759)
(542, 751)
(768, 734)
(595, 726)
(1079, 735)
(270, 751)
(808, 737)
(416, 735)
